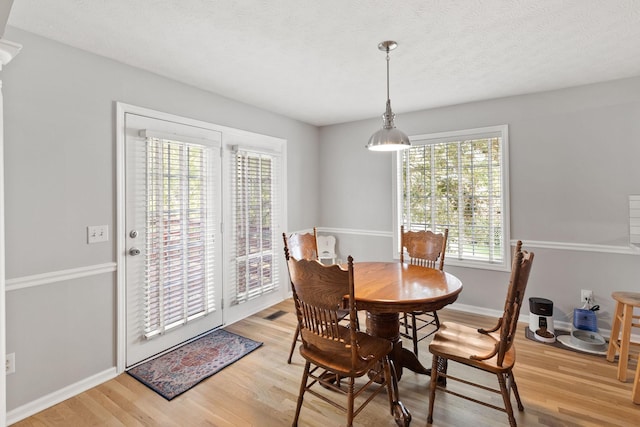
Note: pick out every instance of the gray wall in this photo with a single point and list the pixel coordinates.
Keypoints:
(574, 160)
(572, 155)
(60, 178)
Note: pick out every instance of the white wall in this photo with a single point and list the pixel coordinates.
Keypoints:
(60, 178)
(574, 157)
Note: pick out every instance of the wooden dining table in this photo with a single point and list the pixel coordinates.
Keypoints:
(387, 289)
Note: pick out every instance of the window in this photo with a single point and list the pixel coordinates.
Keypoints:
(255, 183)
(458, 180)
(179, 256)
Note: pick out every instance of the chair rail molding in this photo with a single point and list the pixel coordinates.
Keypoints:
(582, 247)
(59, 276)
(561, 246)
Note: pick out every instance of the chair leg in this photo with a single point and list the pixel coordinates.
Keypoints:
(432, 387)
(506, 398)
(623, 360)
(615, 332)
(303, 388)
(293, 344)
(635, 393)
(511, 382)
(350, 398)
(414, 333)
(437, 320)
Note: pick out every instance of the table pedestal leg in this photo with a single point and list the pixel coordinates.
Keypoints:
(387, 325)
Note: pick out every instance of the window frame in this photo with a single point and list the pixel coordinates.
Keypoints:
(273, 251)
(271, 146)
(453, 136)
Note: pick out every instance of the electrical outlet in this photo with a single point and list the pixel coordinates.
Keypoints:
(10, 363)
(586, 296)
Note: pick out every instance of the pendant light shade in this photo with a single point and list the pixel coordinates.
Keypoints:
(389, 138)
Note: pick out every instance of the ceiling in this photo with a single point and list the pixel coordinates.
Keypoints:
(317, 60)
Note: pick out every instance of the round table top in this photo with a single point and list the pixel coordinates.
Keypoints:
(392, 287)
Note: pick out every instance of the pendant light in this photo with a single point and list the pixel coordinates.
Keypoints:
(389, 138)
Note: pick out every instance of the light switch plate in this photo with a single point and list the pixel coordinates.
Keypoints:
(97, 233)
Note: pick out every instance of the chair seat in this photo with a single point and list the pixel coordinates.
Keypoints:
(628, 298)
(459, 342)
(340, 363)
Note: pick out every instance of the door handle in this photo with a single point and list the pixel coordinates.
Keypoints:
(134, 251)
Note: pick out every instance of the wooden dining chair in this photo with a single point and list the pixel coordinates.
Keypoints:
(304, 246)
(334, 352)
(301, 246)
(427, 249)
(490, 350)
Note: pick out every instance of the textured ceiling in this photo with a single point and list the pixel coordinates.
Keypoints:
(317, 60)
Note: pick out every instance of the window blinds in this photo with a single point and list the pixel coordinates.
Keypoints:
(255, 177)
(457, 184)
(179, 253)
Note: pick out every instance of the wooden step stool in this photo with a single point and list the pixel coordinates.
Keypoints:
(620, 340)
(635, 394)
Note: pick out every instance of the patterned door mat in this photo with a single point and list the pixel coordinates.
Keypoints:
(181, 369)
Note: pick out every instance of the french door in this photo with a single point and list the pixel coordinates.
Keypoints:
(173, 234)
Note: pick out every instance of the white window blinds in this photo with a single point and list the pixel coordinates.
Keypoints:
(255, 178)
(459, 182)
(180, 225)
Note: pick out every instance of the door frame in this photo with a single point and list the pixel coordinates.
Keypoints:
(120, 242)
(8, 50)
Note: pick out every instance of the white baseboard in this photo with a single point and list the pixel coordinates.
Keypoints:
(560, 326)
(58, 396)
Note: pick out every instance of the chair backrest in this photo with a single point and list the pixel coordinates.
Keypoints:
(522, 261)
(319, 292)
(425, 248)
(302, 245)
(508, 323)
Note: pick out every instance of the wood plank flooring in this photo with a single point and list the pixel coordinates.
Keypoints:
(558, 387)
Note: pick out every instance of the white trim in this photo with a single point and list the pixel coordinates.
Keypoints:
(59, 276)
(498, 314)
(8, 51)
(229, 134)
(454, 135)
(58, 396)
(374, 233)
(581, 247)
(501, 131)
(524, 318)
(3, 344)
(121, 296)
(561, 246)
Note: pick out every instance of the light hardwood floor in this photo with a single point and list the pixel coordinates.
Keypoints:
(558, 388)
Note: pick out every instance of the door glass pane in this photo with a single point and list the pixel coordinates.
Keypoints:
(179, 272)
